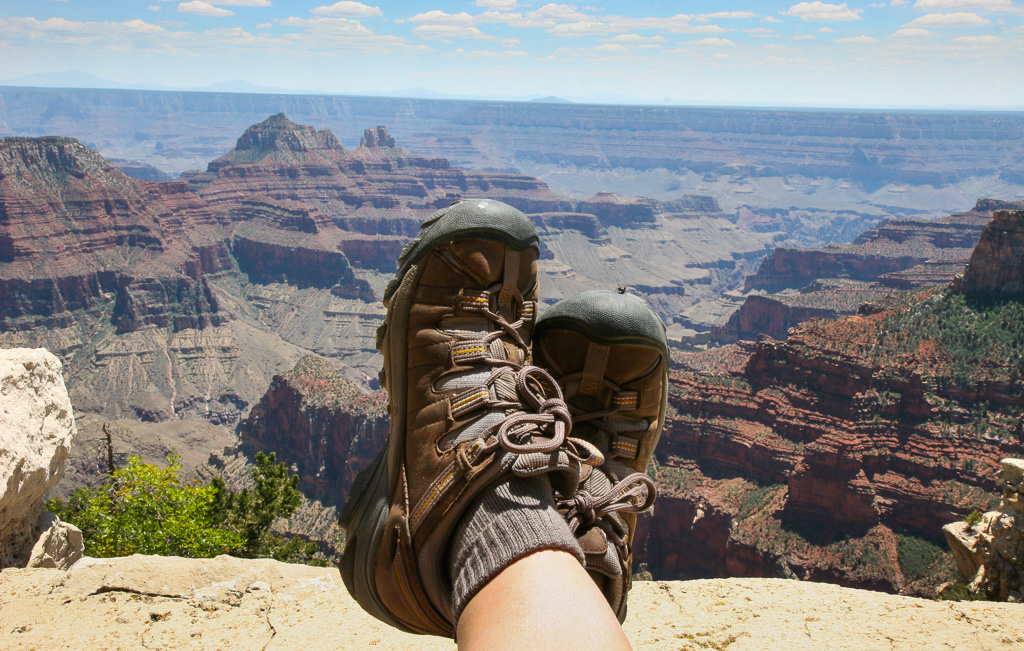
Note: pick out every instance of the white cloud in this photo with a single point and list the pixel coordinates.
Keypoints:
(771, 19)
(724, 14)
(264, 26)
(446, 32)
(611, 47)
(348, 8)
(437, 17)
(825, 30)
(718, 42)
(153, 7)
(200, 8)
(820, 12)
(912, 31)
(582, 28)
(978, 40)
(804, 37)
(558, 12)
(953, 4)
(858, 40)
(490, 53)
(242, 3)
(956, 19)
(637, 39)
(333, 26)
(761, 32)
(319, 37)
(898, 3)
(499, 5)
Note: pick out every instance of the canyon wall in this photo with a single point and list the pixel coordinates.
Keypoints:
(793, 285)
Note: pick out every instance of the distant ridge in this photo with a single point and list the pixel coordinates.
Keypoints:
(551, 99)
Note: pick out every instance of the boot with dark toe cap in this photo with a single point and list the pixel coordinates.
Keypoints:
(609, 353)
(467, 408)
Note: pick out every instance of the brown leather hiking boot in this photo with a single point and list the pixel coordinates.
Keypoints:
(609, 353)
(466, 408)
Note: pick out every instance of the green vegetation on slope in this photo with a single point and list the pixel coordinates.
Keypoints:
(923, 561)
(969, 332)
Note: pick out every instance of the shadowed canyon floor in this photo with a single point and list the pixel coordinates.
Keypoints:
(166, 602)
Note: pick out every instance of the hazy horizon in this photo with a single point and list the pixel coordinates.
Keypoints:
(899, 54)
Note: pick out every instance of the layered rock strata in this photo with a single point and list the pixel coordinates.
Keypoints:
(182, 299)
(899, 254)
(322, 425)
(995, 267)
(830, 456)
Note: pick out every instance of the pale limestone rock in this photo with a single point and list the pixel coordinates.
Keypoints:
(229, 603)
(59, 546)
(970, 545)
(990, 556)
(36, 429)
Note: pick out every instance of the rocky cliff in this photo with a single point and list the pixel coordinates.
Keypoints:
(899, 254)
(995, 266)
(989, 548)
(894, 245)
(839, 454)
(322, 425)
(182, 299)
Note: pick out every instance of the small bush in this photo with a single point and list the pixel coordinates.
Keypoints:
(973, 519)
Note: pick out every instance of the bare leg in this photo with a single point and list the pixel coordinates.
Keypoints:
(542, 601)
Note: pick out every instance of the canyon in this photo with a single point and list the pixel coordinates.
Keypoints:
(833, 173)
(834, 455)
(793, 285)
(179, 301)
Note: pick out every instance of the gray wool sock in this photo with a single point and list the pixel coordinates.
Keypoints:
(507, 521)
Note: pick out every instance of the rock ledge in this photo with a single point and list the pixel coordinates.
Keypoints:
(166, 602)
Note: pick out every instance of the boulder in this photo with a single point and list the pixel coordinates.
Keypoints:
(36, 429)
(990, 555)
(59, 546)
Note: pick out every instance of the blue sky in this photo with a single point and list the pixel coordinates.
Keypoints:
(896, 53)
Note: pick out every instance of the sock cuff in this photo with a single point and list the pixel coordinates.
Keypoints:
(507, 522)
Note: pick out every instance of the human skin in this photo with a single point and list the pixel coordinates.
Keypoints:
(545, 600)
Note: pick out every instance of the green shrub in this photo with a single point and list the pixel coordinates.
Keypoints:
(144, 509)
(973, 519)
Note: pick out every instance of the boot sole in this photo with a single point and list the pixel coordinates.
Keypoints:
(365, 514)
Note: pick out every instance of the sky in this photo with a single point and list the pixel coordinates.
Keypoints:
(892, 54)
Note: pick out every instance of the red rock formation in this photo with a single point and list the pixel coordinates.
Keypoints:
(74, 230)
(613, 210)
(894, 245)
(867, 425)
(321, 425)
(997, 264)
(899, 254)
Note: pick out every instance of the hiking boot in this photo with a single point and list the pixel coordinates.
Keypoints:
(609, 353)
(466, 408)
